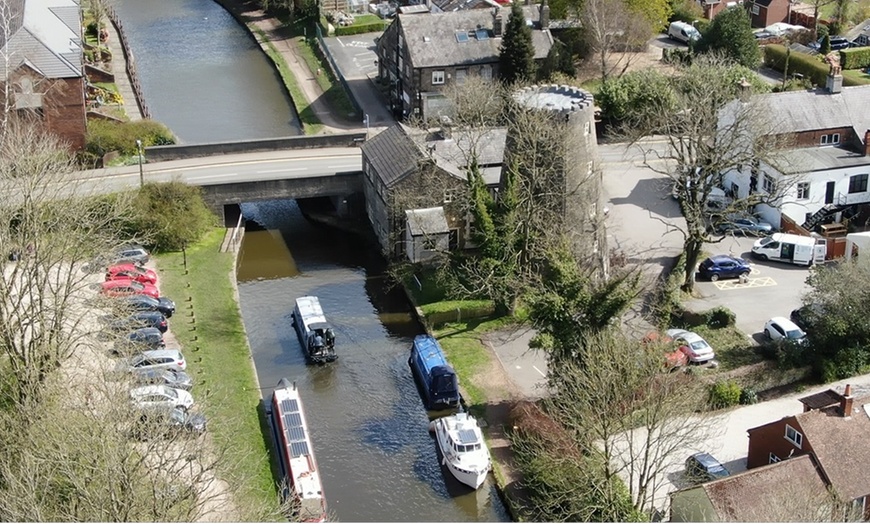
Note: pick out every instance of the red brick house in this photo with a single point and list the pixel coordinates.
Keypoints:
(763, 13)
(714, 7)
(43, 64)
(833, 429)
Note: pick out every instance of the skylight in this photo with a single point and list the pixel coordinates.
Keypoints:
(482, 34)
(462, 37)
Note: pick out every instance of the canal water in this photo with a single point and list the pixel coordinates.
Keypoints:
(368, 425)
(202, 73)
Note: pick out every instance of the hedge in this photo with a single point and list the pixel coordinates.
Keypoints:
(855, 58)
(456, 310)
(359, 29)
(808, 65)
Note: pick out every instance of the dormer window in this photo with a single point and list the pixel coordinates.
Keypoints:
(830, 139)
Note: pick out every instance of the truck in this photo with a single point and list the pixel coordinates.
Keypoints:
(435, 377)
(791, 248)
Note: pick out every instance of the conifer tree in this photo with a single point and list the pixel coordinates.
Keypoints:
(517, 55)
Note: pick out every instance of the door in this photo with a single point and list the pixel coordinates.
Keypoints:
(787, 251)
(829, 192)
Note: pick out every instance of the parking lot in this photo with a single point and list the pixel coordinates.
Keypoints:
(773, 288)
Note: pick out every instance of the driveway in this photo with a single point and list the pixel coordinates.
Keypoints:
(357, 60)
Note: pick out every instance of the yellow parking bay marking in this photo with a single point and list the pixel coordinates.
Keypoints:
(752, 282)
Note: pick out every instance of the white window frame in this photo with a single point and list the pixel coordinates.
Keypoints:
(438, 77)
(755, 9)
(830, 139)
(772, 458)
(768, 184)
(803, 190)
(450, 195)
(796, 438)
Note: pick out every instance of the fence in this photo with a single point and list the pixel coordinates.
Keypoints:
(336, 72)
(130, 61)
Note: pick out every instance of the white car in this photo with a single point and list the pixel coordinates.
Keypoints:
(155, 359)
(695, 347)
(161, 397)
(781, 328)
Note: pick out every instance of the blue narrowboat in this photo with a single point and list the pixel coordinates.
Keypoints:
(438, 383)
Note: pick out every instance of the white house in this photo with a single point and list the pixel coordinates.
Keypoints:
(829, 159)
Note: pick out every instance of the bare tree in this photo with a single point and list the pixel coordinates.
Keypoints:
(613, 32)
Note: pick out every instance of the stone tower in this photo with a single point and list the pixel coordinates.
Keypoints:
(551, 140)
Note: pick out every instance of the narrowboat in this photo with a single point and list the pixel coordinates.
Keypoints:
(437, 380)
(302, 485)
(315, 333)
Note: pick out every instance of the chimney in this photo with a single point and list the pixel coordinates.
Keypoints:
(544, 18)
(744, 90)
(846, 402)
(867, 143)
(497, 22)
(834, 83)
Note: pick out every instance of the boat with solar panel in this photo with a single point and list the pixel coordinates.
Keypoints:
(296, 462)
(460, 440)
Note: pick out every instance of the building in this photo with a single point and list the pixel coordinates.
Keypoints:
(712, 8)
(43, 64)
(788, 491)
(833, 430)
(828, 160)
(763, 13)
(420, 54)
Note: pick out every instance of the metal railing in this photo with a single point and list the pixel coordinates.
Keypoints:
(236, 239)
(130, 61)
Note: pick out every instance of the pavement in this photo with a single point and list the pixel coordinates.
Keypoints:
(122, 79)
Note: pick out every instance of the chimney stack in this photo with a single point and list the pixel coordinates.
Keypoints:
(544, 17)
(744, 90)
(867, 143)
(846, 402)
(834, 84)
(497, 22)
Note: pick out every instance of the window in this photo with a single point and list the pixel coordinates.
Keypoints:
(768, 184)
(437, 77)
(401, 41)
(486, 73)
(755, 9)
(831, 139)
(773, 458)
(857, 184)
(803, 190)
(461, 74)
(451, 195)
(793, 436)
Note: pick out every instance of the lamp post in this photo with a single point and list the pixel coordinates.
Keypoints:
(141, 174)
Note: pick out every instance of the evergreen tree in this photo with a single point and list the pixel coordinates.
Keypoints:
(730, 33)
(559, 60)
(517, 55)
(825, 46)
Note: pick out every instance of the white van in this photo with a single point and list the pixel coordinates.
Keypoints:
(683, 32)
(786, 247)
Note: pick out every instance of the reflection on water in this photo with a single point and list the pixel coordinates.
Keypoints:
(264, 255)
(368, 425)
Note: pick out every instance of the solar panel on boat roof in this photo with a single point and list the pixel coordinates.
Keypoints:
(467, 436)
(292, 420)
(297, 449)
(290, 405)
(295, 434)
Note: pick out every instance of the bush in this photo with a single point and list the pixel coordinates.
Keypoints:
(686, 11)
(633, 93)
(720, 317)
(105, 136)
(855, 58)
(359, 29)
(748, 396)
(807, 65)
(724, 394)
(173, 215)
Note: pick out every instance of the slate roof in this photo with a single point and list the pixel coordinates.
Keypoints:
(429, 221)
(840, 446)
(48, 40)
(769, 493)
(812, 110)
(431, 38)
(392, 153)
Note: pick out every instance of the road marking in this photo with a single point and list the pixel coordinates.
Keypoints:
(752, 282)
(355, 166)
(340, 42)
(539, 371)
(367, 53)
(282, 170)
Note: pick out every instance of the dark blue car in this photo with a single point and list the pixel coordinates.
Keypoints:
(723, 266)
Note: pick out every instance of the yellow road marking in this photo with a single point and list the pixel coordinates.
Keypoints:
(752, 282)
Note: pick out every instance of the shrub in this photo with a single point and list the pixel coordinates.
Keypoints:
(807, 65)
(359, 29)
(748, 396)
(105, 136)
(724, 394)
(172, 214)
(855, 58)
(686, 11)
(719, 317)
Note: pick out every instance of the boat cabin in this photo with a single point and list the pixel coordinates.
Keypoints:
(438, 383)
(315, 334)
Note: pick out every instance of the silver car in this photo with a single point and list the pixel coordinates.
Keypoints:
(156, 359)
(161, 397)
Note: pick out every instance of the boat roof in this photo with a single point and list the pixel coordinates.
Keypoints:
(430, 351)
(463, 429)
(295, 428)
(310, 310)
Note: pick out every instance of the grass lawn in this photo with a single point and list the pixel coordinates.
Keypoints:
(857, 76)
(732, 348)
(219, 360)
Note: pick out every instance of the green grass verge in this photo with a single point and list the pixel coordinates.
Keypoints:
(732, 348)
(219, 359)
(333, 90)
(857, 76)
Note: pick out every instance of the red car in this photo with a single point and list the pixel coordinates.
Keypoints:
(673, 359)
(124, 287)
(131, 272)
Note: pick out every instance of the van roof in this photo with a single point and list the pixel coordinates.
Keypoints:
(791, 237)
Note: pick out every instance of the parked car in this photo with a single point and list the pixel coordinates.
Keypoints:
(805, 316)
(165, 377)
(139, 320)
(163, 305)
(703, 467)
(155, 359)
(167, 423)
(745, 226)
(696, 348)
(132, 272)
(781, 328)
(142, 339)
(674, 357)
(160, 397)
(132, 253)
(723, 266)
(837, 43)
(122, 287)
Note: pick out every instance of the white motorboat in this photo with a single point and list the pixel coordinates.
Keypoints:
(461, 443)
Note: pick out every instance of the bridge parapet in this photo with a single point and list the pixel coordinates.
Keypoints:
(183, 151)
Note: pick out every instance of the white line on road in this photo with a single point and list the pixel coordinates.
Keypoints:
(539, 371)
(283, 170)
(367, 53)
(355, 166)
(340, 42)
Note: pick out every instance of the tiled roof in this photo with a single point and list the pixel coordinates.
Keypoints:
(392, 153)
(841, 446)
(797, 111)
(48, 40)
(782, 492)
(432, 42)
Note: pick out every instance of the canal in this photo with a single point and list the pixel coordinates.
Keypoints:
(368, 425)
(202, 73)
